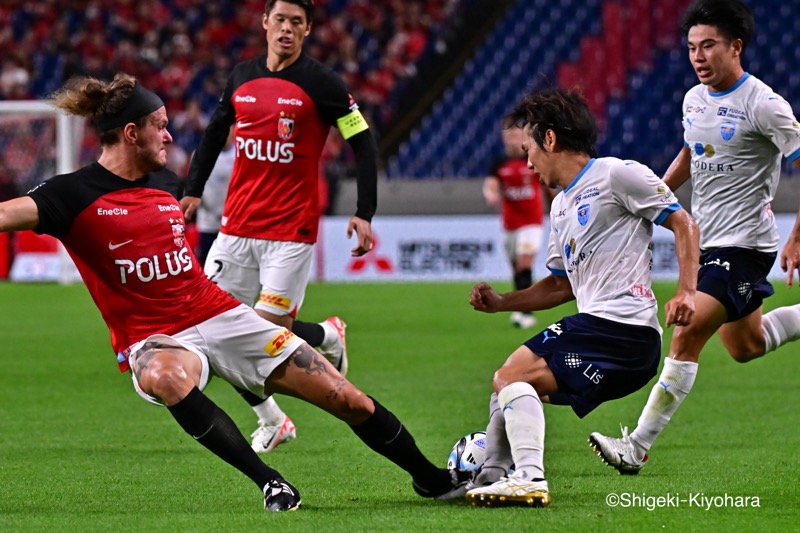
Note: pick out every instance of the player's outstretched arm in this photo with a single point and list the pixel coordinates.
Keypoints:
(19, 214)
(546, 293)
(363, 231)
(679, 170)
(680, 309)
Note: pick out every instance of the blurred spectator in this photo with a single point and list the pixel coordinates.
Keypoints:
(188, 126)
(8, 189)
(175, 45)
(15, 77)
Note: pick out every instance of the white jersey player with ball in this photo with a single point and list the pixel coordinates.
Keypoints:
(602, 226)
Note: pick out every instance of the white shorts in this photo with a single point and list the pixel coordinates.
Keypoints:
(238, 345)
(273, 275)
(526, 240)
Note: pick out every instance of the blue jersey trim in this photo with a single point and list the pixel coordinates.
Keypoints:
(667, 212)
(794, 156)
(557, 272)
(733, 88)
(580, 174)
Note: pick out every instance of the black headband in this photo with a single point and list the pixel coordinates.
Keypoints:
(140, 103)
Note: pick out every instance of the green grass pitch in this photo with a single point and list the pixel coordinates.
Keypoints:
(80, 451)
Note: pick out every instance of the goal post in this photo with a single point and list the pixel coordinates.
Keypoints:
(38, 141)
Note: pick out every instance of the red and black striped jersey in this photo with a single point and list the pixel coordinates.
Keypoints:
(127, 239)
(281, 121)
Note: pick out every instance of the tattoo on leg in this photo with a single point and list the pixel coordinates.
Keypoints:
(142, 361)
(309, 360)
(148, 351)
(333, 394)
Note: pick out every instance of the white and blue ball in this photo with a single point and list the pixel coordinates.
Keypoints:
(469, 453)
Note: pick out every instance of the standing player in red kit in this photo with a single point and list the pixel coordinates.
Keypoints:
(170, 325)
(517, 190)
(282, 106)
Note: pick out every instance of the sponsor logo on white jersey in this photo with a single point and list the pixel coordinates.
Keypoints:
(156, 267)
(642, 291)
(732, 112)
(290, 101)
(591, 192)
(713, 167)
(261, 150)
(247, 99)
(116, 211)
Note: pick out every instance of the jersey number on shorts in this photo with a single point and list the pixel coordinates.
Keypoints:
(217, 272)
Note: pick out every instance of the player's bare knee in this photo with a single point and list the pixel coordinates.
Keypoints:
(160, 374)
(502, 378)
(352, 405)
(746, 352)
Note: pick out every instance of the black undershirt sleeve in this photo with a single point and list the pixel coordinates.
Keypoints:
(205, 156)
(366, 151)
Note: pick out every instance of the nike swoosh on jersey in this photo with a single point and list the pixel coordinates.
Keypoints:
(112, 246)
(241, 124)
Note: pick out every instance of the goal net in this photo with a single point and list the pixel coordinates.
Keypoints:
(37, 142)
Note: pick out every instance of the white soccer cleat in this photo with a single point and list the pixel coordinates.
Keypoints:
(619, 453)
(522, 320)
(511, 491)
(266, 438)
(336, 352)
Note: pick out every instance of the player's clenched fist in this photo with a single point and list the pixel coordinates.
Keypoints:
(484, 298)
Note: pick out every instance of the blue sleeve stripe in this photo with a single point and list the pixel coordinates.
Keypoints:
(794, 156)
(686, 144)
(557, 272)
(667, 212)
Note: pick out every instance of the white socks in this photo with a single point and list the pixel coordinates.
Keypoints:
(331, 335)
(498, 452)
(781, 326)
(269, 414)
(674, 383)
(524, 416)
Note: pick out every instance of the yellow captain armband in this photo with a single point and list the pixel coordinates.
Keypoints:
(351, 123)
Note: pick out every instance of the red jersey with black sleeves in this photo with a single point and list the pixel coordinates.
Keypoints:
(281, 121)
(127, 240)
(521, 190)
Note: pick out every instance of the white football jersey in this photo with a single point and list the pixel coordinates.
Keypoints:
(209, 214)
(736, 138)
(600, 233)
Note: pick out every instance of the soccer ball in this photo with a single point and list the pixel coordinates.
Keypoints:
(469, 453)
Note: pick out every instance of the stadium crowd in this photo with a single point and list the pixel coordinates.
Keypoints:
(185, 49)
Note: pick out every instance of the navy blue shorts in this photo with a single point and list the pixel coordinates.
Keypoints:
(595, 360)
(737, 277)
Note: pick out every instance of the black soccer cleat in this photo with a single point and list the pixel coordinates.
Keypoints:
(280, 495)
(457, 480)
